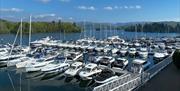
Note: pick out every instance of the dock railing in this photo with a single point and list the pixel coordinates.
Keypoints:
(112, 84)
(134, 81)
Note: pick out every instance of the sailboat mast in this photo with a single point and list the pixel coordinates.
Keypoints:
(136, 31)
(21, 34)
(110, 29)
(30, 31)
(84, 28)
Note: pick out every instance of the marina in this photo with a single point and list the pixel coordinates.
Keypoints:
(88, 65)
(89, 45)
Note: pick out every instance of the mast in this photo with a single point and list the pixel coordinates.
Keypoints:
(93, 31)
(21, 33)
(84, 28)
(110, 29)
(135, 32)
(30, 30)
(106, 31)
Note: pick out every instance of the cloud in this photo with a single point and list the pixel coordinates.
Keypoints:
(108, 8)
(45, 15)
(138, 7)
(64, 0)
(45, 1)
(59, 18)
(11, 10)
(86, 8)
(130, 7)
(70, 18)
(116, 7)
(126, 7)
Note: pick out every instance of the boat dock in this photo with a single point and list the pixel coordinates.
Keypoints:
(133, 81)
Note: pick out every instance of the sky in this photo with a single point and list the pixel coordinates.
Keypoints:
(91, 10)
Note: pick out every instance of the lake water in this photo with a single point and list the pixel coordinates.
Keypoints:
(10, 77)
(9, 38)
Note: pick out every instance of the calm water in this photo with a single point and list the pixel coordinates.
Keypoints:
(10, 78)
(9, 38)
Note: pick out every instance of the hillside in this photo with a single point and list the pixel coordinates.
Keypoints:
(39, 27)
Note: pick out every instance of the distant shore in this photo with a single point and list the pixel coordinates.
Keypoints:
(9, 27)
(38, 27)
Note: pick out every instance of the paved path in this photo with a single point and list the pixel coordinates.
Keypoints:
(166, 80)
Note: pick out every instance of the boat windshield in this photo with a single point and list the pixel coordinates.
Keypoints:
(105, 59)
(73, 67)
(40, 60)
(2, 50)
(59, 60)
(25, 59)
(55, 62)
(88, 69)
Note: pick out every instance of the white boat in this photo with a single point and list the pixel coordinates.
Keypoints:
(22, 62)
(120, 63)
(132, 51)
(3, 51)
(115, 40)
(37, 43)
(160, 55)
(136, 44)
(59, 65)
(139, 65)
(105, 76)
(143, 53)
(115, 50)
(105, 61)
(37, 65)
(73, 56)
(123, 50)
(162, 45)
(33, 62)
(100, 59)
(89, 71)
(155, 46)
(74, 69)
(8, 59)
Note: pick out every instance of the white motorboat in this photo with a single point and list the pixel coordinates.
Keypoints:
(105, 76)
(37, 65)
(89, 71)
(115, 50)
(8, 59)
(105, 61)
(115, 40)
(162, 45)
(132, 51)
(123, 50)
(73, 56)
(59, 65)
(33, 62)
(160, 55)
(74, 69)
(22, 62)
(120, 63)
(139, 65)
(143, 53)
(136, 44)
(3, 51)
